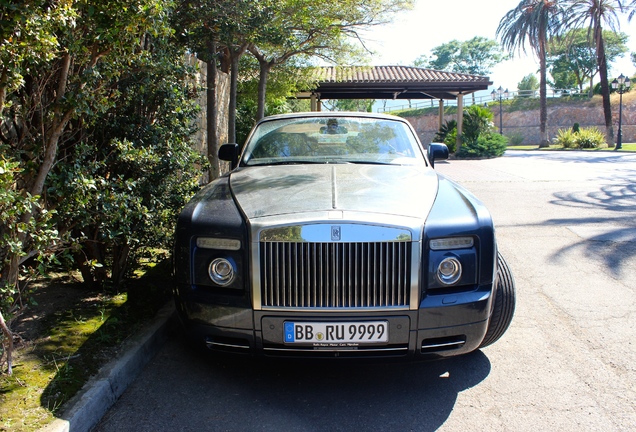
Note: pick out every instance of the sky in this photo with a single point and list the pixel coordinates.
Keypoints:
(432, 23)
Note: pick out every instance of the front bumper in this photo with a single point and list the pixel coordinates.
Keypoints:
(443, 325)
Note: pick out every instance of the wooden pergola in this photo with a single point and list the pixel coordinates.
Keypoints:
(393, 83)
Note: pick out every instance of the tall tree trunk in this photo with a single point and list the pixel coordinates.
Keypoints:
(211, 117)
(265, 67)
(235, 56)
(605, 90)
(543, 98)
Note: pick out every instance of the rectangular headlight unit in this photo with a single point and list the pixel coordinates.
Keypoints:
(451, 243)
(218, 243)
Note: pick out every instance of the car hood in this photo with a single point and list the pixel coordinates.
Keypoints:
(287, 189)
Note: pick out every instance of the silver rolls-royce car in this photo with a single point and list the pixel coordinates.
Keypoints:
(333, 236)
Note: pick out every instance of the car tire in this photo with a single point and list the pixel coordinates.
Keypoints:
(504, 303)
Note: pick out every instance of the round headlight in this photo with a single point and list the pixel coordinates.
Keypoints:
(449, 271)
(221, 271)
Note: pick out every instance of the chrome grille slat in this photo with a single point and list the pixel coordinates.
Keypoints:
(335, 275)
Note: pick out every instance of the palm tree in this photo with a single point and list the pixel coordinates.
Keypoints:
(629, 7)
(532, 23)
(595, 14)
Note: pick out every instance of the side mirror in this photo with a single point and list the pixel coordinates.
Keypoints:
(437, 151)
(230, 153)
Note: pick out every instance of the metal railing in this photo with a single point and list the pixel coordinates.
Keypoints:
(485, 99)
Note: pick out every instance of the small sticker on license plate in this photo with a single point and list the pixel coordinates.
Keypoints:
(336, 332)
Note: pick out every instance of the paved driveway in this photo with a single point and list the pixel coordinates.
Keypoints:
(566, 222)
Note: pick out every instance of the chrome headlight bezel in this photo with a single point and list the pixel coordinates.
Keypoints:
(222, 271)
(218, 262)
(452, 262)
(449, 271)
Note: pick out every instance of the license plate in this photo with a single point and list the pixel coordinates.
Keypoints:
(366, 332)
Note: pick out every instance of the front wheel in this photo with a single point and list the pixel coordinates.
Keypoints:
(504, 303)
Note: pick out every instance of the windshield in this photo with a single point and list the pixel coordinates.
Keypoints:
(332, 140)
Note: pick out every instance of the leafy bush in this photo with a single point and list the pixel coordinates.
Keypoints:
(487, 145)
(478, 120)
(13, 228)
(566, 138)
(446, 128)
(590, 138)
(451, 140)
(585, 138)
(123, 182)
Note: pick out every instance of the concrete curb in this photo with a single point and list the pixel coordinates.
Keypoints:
(86, 409)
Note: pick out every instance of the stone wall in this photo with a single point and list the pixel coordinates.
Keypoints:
(560, 116)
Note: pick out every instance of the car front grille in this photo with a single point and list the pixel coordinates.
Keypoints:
(335, 275)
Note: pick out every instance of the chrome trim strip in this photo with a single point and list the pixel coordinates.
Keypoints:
(416, 269)
(413, 226)
(311, 349)
(444, 345)
(334, 309)
(225, 345)
(323, 233)
(257, 301)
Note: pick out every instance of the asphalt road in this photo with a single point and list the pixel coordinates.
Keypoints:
(566, 223)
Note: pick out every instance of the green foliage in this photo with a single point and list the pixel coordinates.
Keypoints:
(98, 116)
(566, 138)
(584, 138)
(29, 40)
(123, 185)
(15, 208)
(447, 127)
(591, 138)
(476, 56)
(572, 58)
(478, 121)
(451, 140)
(528, 83)
(478, 137)
(488, 145)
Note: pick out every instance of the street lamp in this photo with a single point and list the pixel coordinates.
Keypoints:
(621, 85)
(500, 92)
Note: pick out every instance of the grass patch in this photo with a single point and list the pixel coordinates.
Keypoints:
(67, 337)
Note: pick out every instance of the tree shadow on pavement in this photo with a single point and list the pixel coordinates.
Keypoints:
(610, 236)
